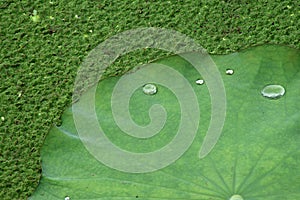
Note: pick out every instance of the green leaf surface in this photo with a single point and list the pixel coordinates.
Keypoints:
(256, 157)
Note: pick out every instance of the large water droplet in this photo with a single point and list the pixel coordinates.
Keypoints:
(236, 197)
(273, 91)
(149, 89)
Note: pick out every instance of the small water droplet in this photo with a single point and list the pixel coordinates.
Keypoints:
(199, 82)
(236, 197)
(229, 71)
(149, 89)
(273, 91)
(2, 119)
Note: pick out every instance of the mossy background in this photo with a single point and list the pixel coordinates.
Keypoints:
(39, 60)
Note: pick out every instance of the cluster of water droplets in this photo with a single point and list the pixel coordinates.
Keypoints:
(151, 89)
(271, 91)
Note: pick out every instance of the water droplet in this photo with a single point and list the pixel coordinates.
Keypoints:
(199, 82)
(149, 89)
(229, 71)
(273, 91)
(236, 197)
(2, 119)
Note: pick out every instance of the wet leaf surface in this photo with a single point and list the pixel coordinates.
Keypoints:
(256, 157)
